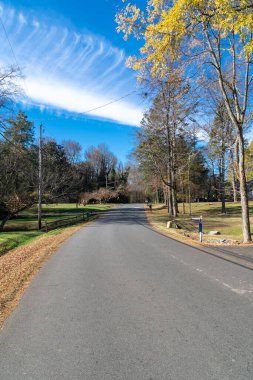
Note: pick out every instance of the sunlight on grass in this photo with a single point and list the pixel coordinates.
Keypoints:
(22, 228)
(11, 240)
(229, 224)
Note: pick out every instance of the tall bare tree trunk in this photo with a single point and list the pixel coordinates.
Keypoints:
(243, 191)
(234, 185)
(233, 176)
(165, 195)
(157, 196)
(236, 114)
(183, 196)
(170, 199)
(172, 160)
(222, 185)
(174, 200)
(169, 162)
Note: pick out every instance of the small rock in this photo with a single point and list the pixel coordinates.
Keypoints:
(214, 233)
(169, 224)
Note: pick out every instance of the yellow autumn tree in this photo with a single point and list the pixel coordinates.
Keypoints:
(213, 36)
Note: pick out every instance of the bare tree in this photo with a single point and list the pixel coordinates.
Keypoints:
(102, 161)
(72, 150)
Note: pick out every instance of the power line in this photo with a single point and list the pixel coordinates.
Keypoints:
(9, 42)
(96, 108)
(111, 102)
(13, 53)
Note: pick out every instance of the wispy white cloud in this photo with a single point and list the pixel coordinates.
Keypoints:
(75, 99)
(68, 69)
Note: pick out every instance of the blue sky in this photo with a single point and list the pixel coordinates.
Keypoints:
(74, 61)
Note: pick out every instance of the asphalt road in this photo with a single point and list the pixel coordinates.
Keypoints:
(119, 301)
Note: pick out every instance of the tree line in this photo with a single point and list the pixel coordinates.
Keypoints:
(177, 167)
(196, 62)
(66, 175)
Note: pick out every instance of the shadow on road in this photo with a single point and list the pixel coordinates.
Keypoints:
(129, 215)
(126, 215)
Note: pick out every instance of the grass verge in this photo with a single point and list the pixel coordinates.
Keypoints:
(11, 240)
(22, 229)
(229, 224)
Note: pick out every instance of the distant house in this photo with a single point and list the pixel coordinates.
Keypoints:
(250, 190)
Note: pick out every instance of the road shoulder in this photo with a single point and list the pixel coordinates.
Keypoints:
(242, 256)
(19, 266)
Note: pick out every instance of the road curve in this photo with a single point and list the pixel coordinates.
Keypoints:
(119, 301)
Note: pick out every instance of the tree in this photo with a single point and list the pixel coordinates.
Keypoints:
(168, 118)
(196, 32)
(249, 162)
(9, 88)
(18, 167)
(137, 189)
(155, 148)
(192, 173)
(167, 150)
(221, 141)
(57, 174)
(102, 161)
(20, 131)
(72, 150)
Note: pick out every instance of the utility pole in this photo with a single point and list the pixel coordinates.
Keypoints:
(40, 180)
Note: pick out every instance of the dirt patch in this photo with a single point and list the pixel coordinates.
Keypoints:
(19, 266)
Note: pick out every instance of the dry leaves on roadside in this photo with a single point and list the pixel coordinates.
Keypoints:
(18, 267)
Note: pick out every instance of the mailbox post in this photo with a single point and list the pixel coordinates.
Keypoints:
(200, 221)
(200, 229)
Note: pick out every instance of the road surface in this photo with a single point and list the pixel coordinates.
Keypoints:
(120, 301)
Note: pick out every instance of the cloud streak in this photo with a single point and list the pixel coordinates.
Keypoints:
(68, 69)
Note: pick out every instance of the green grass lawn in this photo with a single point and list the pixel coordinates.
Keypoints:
(22, 229)
(229, 224)
(11, 240)
(50, 213)
(68, 208)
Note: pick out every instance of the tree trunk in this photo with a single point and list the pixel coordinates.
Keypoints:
(170, 199)
(189, 189)
(222, 185)
(156, 196)
(215, 190)
(4, 221)
(233, 180)
(183, 204)
(174, 202)
(172, 160)
(174, 195)
(243, 191)
(169, 162)
(183, 196)
(170, 203)
(234, 186)
(165, 195)
(234, 190)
